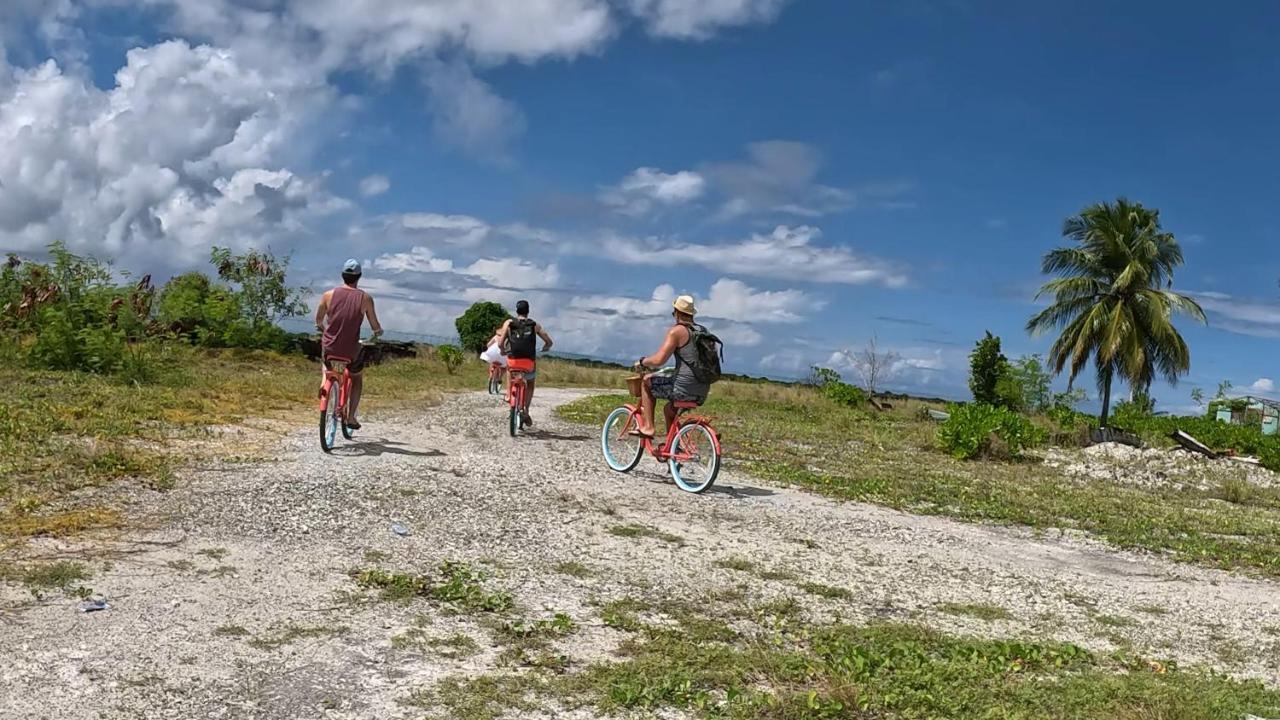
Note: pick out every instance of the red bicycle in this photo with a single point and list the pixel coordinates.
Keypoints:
(495, 378)
(691, 449)
(335, 391)
(517, 392)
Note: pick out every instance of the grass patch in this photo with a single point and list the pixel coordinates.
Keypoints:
(487, 697)
(215, 553)
(702, 669)
(795, 436)
(62, 576)
(737, 563)
(827, 591)
(457, 585)
(981, 611)
(623, 614)
(180, 565)
(456, 646)
(231, 631)
(293, 634)
(1152, 609)
(645, 531)
(1114, 621)
(574, 569)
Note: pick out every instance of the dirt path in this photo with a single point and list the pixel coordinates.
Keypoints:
(238, 604)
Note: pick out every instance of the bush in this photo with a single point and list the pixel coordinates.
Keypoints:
(451, 356)
(980, 430)
(987, 365)
(478, 324)
(844, 394)
(820, 377)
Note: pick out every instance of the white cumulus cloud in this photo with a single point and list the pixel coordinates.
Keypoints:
(374, 185)
(646, 187)
(181, 152)
(696, 19)
(1263, 386)
(786, 253)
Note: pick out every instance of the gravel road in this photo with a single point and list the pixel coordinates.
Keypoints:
(235, 599)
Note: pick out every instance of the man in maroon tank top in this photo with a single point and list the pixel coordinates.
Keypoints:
(339, 316)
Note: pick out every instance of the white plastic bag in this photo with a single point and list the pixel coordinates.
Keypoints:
(493, 354)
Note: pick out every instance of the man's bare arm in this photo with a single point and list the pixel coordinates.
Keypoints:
(502, 333)
(322, 308)
(664, 353)
(372, 314)
(546, 339)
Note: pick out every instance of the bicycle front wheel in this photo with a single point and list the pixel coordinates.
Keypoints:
(329, 419)
(621, 449)
(695, 458)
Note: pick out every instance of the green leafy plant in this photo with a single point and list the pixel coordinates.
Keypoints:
(845, 394)
(979, 430)
(451, 356)
(987, 366)
(477, 325)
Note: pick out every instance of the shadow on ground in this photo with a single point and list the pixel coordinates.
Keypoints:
(374, 448)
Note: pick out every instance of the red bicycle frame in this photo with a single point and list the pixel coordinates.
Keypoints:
(343, 381)
(662, 453)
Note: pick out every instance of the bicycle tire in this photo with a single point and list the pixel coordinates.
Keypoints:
(678, 468)
(513, 421)
(619, 464)
(328, 419)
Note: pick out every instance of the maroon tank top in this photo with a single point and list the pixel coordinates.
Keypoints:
(342, 322)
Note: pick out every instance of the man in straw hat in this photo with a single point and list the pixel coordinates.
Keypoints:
(680, 385)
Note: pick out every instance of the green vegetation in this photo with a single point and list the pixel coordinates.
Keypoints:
(1112, 302)
(456, 584)
(989, 373)
(644, 531)
(64, 576)
(478, 324)
(697, 664)
(451, 356)
(982, 611)
(979, 430)
(453, 646)
(294, 633)
(827, 591)
(899, 464)
(573, 569)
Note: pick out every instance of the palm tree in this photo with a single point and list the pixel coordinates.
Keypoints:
(1112, 300)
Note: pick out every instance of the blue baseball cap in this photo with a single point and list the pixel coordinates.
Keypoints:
(351, 267)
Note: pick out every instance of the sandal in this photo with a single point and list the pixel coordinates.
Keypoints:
(639, 434)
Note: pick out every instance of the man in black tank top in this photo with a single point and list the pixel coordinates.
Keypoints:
(679, 386)
(519, 338)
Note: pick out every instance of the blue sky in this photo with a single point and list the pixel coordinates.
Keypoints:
(815, 172)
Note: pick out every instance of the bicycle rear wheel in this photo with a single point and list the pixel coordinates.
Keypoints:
(695, 458)
(329, 417)
(621, 449)
(513, 421)
(347, 432)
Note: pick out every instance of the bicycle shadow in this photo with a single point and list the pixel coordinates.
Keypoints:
(375, 448)
(741, 492)
(548, 435)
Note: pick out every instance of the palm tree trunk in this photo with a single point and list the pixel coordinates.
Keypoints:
(1106, 398)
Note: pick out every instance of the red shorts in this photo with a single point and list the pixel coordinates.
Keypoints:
(521, 365)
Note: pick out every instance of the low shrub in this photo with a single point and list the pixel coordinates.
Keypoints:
(980, 430)
(451, 356)
(844, 394)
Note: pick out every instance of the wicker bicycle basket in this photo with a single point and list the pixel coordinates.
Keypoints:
(633, 385)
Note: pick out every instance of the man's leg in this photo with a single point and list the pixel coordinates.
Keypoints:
(528, 400)
(353, 402)
(646, 406)
(669, 413)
